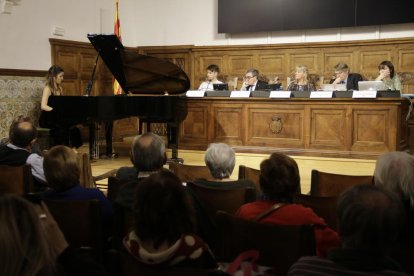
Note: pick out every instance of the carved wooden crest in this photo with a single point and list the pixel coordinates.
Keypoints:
(276, 125)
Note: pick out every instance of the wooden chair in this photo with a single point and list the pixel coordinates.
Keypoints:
(80, 222)
(86, 178)
(16, 180)
(329, 184)
(324, 207)
(215, 199)
(250, 174)
(279, 245)
(189, 173)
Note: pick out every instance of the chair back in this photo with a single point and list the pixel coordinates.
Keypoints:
(16, 180)
(189, 173)
(80, 222)
(251, 174)
(215, 199)
(323, 206)
(279, 245)
(86, 179)
(330, 184)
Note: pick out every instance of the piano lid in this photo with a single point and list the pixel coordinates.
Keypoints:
(136, 73)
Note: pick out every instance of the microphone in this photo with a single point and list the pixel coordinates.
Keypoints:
(208, 84)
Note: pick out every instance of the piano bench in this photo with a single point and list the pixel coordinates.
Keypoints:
(43, 138)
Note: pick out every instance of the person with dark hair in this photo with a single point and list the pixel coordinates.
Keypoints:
(148, 156)
(251, 81)
(18, 151)
(61, 135)
(343, 76)
(164, 225)
(369, 219)
(62, 173)
(388, 76)
(212, 74)
(280, 181)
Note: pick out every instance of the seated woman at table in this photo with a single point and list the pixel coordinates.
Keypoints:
(212, 73)
(301, 82)
(388, 76)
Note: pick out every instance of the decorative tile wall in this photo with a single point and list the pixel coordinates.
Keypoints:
(19, 96)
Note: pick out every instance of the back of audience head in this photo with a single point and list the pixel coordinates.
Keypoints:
(394, 171)
(148, 152)
(369, 217)
(61, 168)
(279, 177)
(220, 160)
(22, 132)
(163, 210)
(23, 240)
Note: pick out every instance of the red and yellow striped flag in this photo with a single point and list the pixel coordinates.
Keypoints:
(117, 31)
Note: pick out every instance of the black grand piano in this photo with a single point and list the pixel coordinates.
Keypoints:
(153, 91)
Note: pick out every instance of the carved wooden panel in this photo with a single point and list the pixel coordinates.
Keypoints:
(406, 60)
(328, 127)
(276, 125)
(272, 64)
(194, 129)
(238, 64)
(379, 126)
(309, 59)
(228, 121)
(68, 59)
(369, 60)
(71, 87)
(332, 59)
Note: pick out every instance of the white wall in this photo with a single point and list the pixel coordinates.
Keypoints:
(25, 32)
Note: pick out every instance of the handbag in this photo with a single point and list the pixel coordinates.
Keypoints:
(246, 265)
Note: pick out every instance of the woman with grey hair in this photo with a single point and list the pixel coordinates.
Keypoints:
(220, 160)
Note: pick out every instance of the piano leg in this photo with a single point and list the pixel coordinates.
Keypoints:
(109, 127)
(172, 137)
(94, 141)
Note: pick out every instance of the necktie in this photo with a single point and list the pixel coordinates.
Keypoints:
(248, 87)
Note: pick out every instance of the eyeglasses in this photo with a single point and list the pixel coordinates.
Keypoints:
(339, 72)
(248, 77)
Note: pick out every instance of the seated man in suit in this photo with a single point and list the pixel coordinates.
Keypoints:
(342, 76)
(148, 156)
(369, 220)
(19, 150)
(251, 81)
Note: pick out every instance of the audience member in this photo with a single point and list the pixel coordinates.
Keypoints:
(342, 76)
(148, 157)
(394, 171)
(212, 74)
(369, 219)
(301, 82)
(388, 76)
(251, 81)
(220, 160)
(19, 150)
(280, 181)
(126, 173)
(164, 225)
(32, 243)
(62, 173)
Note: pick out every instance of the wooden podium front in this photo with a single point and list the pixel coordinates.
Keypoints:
(341, 128)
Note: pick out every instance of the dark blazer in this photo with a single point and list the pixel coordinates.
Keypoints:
(352, 81)
(261, 85)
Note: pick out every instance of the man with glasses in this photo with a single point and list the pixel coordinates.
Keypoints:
(251, 81)
(342, 76)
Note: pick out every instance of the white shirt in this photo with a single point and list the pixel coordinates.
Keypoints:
(35, 161)
(208, 85)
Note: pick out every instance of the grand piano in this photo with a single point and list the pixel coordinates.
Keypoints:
(153, 91)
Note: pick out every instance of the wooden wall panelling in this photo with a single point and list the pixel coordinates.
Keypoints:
(276, 125)
(272, 64)
(332, 58)
(194, 130)
(370, 58)
(328, 127)
(228, 123)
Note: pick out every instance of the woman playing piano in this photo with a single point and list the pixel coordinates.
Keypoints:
(61, 135)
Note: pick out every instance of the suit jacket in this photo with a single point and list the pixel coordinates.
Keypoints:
(352, 81)
(261, 85)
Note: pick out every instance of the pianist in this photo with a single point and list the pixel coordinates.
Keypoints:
(61, 135)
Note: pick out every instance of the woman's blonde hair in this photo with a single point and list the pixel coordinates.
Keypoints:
(24, 249)
(304, 69)
(61, 168)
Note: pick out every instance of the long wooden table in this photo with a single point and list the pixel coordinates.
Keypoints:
(343, 128)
